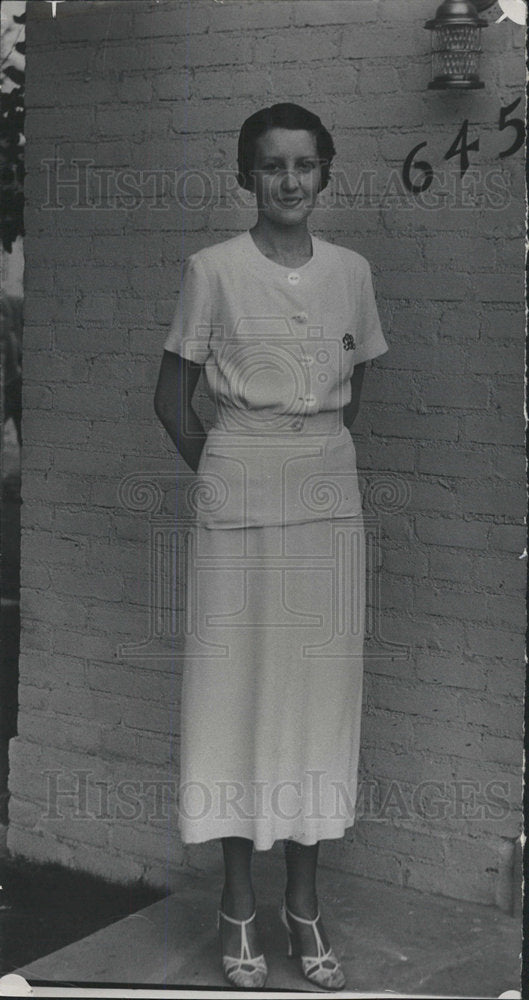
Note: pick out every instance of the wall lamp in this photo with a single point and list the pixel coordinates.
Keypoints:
(456, 46)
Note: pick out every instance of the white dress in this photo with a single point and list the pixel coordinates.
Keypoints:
(272, 688)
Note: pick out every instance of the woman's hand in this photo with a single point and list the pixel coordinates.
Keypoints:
(172, 403)
(350, 411)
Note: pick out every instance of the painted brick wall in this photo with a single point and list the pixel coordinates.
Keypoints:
(148, 86)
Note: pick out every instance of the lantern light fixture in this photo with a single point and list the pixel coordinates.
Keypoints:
(456, 46)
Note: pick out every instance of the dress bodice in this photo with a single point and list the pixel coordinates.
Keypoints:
(279, 346)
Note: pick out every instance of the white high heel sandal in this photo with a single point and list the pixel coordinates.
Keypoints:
(245, 971)
(322, 969)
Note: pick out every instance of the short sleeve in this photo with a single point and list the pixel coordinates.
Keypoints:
(370, 341)
(190, 330)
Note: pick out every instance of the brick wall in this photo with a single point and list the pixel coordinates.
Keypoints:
(145, 86)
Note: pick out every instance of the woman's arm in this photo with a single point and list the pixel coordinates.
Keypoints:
(350, 411)
(172, 403)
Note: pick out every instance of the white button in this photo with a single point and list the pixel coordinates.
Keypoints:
(293, 278)
(322, 377)
(307, 359)
(322, 357)
(300, 318)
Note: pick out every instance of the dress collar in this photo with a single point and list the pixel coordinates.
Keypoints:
(259, 257)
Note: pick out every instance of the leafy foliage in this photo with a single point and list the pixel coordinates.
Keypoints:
(12, 150)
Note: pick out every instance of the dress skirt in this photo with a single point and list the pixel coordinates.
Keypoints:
(272, 687)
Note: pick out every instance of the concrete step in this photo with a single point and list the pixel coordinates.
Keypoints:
(388, 939)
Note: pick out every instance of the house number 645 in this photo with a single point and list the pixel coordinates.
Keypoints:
(461, 147)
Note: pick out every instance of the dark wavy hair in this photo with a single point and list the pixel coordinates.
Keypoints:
(290, 116)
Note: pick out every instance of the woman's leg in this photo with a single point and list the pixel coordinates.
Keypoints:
(318, 961)
(301, 897)
(238, 898)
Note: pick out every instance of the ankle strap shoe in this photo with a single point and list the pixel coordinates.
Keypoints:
(245, 971)
(323, 969)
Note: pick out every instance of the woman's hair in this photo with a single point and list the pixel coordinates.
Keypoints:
(290, 116)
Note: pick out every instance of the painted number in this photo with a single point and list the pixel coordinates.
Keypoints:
(409, 164)
(515, 123)
(460, 147)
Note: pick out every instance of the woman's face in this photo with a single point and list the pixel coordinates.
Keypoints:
(287, 175)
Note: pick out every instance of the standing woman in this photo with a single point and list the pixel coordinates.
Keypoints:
(283, 323)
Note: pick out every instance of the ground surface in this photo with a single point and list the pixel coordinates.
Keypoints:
(388, 938)
(45, 907)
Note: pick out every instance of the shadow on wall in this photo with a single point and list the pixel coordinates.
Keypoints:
(11, 391)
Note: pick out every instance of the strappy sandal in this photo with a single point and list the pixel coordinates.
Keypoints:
(322, 969)
(246, 972)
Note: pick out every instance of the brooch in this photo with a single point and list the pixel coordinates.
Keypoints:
(349, 342)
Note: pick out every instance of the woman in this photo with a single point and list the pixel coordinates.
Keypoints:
(283, 323)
